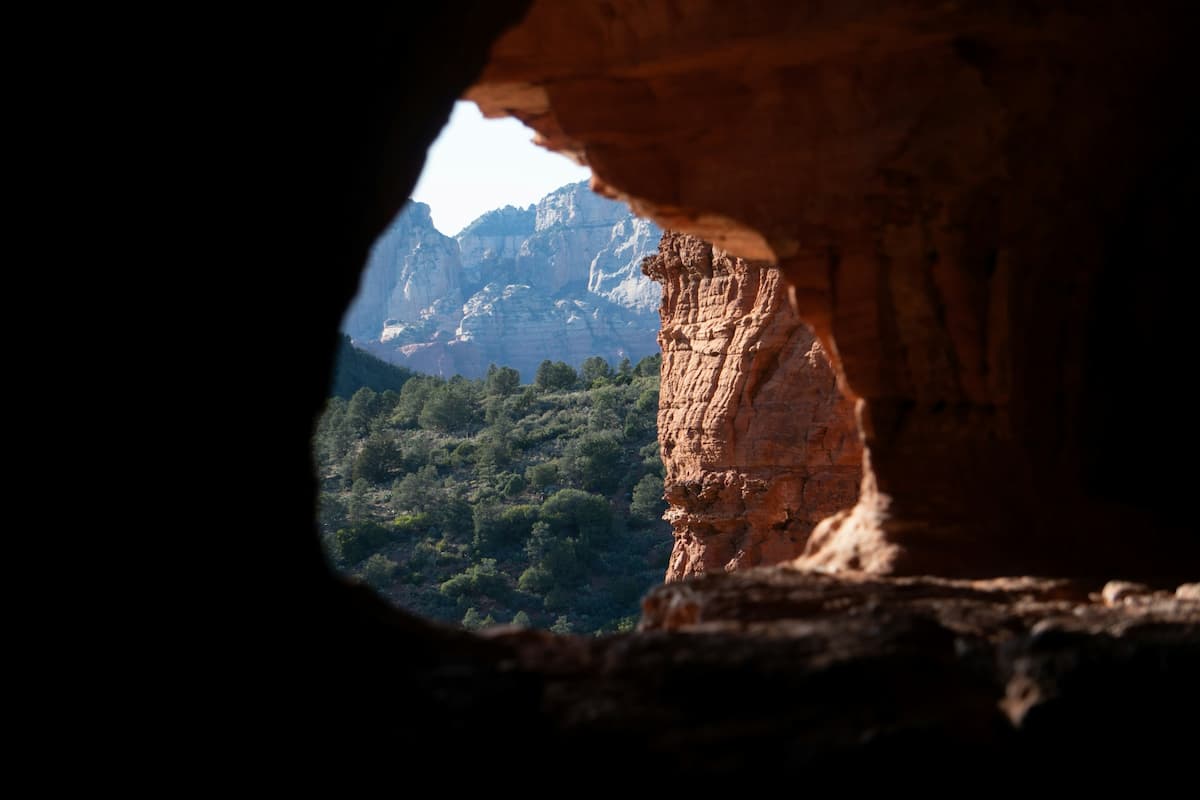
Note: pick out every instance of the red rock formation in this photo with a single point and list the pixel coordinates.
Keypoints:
(758, 442)
(889, 680)
(955, 191)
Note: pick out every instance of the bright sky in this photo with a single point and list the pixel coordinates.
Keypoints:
(478, 164)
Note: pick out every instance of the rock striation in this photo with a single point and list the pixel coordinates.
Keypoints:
(560, 279)
(413, 275)
(758, 443)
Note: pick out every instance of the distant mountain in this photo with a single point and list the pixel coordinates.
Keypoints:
(560, 280)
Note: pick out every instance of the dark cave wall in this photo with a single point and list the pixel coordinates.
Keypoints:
(344, 107)
(318, 678)
(338, 682)
(358, 104)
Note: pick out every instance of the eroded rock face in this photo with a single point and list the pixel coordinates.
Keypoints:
(616, 274)
(413, 274)
(758, 442)
(971, 201)
(493, 240)
(560, 279)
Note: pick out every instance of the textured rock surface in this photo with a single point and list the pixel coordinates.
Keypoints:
(960, 194)
(616, 272)
(758, 442)
(413, 275)
(559, 280)
(491, 243)
(889, 696)
(1019, 676)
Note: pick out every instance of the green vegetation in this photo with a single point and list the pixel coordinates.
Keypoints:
(354, 368)
(477, 502)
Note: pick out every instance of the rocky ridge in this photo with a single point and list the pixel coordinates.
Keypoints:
(414, 274)
(560, 279)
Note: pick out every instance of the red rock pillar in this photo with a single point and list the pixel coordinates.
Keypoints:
(758, 443)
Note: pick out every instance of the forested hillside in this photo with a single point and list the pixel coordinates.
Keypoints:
(487, 501)
(353, 369)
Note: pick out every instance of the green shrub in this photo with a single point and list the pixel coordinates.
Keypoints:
(454, 518)
(448, 408)
(498, 527)
(351, 545)
(652, 459)
(594, 371)
(464, 453)
(647, 401)
(417, 491)
(407, 525)
(376, 460)
(535, 580)
(358, 507)
(650, 366)
(473, 622)
(648, 504)
(542, 475)
(478, 579)
(596, 462)
(514, 485)
(502, 381)
(573, 512)
(378, 571)
(555, 376)
(424, 554)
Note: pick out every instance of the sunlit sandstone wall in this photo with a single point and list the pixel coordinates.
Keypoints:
(759, 444)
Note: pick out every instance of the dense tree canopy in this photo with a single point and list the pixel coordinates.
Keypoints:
(502, 381)
(482, 501)
(555, 376)
(595, 370)
(354, 369)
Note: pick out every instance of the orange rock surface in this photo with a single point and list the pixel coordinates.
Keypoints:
(758, 443)
(1039, 366)
(968, 200)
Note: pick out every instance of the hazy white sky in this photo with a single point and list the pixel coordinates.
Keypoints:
(478, 164)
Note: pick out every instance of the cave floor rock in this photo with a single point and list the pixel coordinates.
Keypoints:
(793, 669)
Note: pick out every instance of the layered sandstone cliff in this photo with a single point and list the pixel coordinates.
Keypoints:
(413, 275)
(560, 280)
(758, 443)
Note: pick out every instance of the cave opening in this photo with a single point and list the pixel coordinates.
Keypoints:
(489, 452)
(912, 145)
